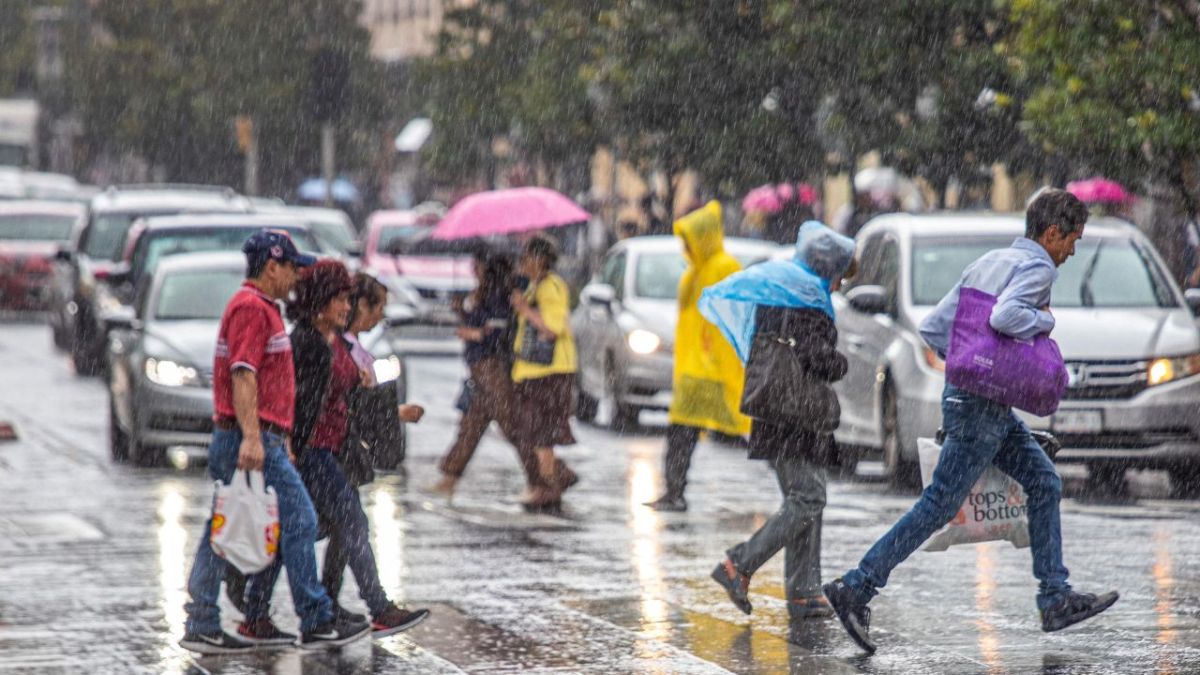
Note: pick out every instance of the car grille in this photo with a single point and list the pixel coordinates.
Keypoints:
(1127, 440)
(184, 423)
(1092, 380)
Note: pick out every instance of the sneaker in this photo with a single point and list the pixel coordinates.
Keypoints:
(343, 615)
(264, 632)
(736, 584)
(669, 504)
(813, 607)
(219, 642)
(333, 635)
(855, 616)
(1073, 607)
(394, 619)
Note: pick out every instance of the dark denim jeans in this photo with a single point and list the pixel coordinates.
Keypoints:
(298, 529)
(341, 510)
(979, 432)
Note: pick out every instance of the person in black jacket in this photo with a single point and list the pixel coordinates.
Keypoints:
(327, 382)
(792, 307)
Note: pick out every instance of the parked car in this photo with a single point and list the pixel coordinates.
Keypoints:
(84, 265)
(332, 227)
(161, 359)
(31, 233)
(422, 272)
(624, 325)
(1127, 333)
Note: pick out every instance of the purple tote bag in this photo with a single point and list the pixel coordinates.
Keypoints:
(1025, 374)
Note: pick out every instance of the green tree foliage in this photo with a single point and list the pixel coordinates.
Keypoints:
(168, 77)
(16, 47)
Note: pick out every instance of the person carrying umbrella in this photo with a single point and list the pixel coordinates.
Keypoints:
(707, 382)
(759, 309)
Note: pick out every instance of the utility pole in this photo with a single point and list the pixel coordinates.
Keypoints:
(328, 160)
(247, 139)
(330, 75)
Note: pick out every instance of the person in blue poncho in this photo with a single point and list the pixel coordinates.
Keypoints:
(789, 301)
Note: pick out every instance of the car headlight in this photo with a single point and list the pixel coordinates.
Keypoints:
(387, 369)
(642, 341)
(1161, 371)
(171, 374)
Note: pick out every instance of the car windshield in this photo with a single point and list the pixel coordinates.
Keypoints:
(36, 227)
(1109, 272)
(154, 246)
(199, 294)
(399, 233)
(106, 235)
(335, 236)
(658, 273)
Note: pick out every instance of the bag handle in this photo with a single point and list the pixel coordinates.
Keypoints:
(255, 481)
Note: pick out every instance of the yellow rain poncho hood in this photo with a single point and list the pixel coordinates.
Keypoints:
(708, 379)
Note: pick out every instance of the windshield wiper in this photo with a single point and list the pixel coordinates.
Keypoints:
(1086, 297)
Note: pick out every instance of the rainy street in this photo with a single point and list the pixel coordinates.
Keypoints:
(94, 557)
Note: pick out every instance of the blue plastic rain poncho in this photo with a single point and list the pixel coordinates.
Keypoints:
(803, 282)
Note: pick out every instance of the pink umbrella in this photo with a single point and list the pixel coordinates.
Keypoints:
(1099, 191)
(772, 198)
(508, 211)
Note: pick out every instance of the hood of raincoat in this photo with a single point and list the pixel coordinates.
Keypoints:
(708, 376)
(803, 282)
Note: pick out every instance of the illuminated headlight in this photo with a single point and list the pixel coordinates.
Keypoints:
(642, 341)
(387, 369)
(1161, 371)
(171, 374)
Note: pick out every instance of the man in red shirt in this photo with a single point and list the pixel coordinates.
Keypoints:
(253, 399)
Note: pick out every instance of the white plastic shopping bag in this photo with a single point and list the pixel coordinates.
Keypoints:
(245, 521)
(995, 510)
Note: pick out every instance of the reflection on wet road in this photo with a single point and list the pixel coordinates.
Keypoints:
(94, 559)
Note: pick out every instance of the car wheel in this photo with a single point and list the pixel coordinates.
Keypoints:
(899, 472)
(59, 333)
(146, 456)
(89, 361)
(624, 417)
(1106, 477)
(118, 440)
(1185, 480)
(586, 407)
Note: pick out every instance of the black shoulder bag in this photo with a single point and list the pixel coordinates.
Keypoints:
(534, 348)
(779, 390)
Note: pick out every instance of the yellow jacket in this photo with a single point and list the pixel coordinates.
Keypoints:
(552, 299)
(708, 378)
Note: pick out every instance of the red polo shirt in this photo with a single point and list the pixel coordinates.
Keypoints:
(252, 336)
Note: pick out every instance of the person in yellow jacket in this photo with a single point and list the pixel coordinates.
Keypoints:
(708, 378)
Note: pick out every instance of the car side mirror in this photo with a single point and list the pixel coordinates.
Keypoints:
(869, 299)
(598, 295)
(63, 255)
(1192, 297)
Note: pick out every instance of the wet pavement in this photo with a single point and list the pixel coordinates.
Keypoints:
(94, 557)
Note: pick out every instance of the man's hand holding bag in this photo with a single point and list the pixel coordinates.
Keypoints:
(245, 522)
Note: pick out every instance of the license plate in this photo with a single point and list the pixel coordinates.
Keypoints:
(1078, 421)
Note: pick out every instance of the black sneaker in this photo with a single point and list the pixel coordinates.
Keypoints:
(333, 635)
(667, 503)
(1074, 607)
(394, 619)
(736, 584)
(264, 632)
(343, 615)
(855, 616)
(219, 642)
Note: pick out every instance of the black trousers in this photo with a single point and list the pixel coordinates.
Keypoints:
(681, 443)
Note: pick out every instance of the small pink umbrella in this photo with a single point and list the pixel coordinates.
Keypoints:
(1099, 191)
(508, 211)
(772, 198)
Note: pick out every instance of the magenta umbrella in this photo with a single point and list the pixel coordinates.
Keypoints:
(508, 211)
(772, 198)
(1099, 191)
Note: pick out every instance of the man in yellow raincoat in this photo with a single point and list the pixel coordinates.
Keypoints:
(708, 378)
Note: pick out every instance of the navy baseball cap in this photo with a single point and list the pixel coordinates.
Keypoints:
(275, 244)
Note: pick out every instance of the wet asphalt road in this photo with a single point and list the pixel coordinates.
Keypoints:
(94, 557)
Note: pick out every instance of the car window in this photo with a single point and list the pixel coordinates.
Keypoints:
(398, 233)
(613, 273)
(200, 294)
(657, 275)
(335, 236)
(105, 236)
(1121, 273)
(154, 246)
(889, 270)
(870, 263)
(36, 227)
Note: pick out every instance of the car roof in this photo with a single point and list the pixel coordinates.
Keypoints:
(201, 220)
(43, 207)
(393, 218)
(671, 244)
(149, 198)
(214, 260)
(979, 223)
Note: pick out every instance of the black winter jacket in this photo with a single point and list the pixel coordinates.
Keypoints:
(816, 347)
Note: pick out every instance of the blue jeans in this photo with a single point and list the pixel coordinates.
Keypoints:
(341, 511)
(298, 530)
(979, 432)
